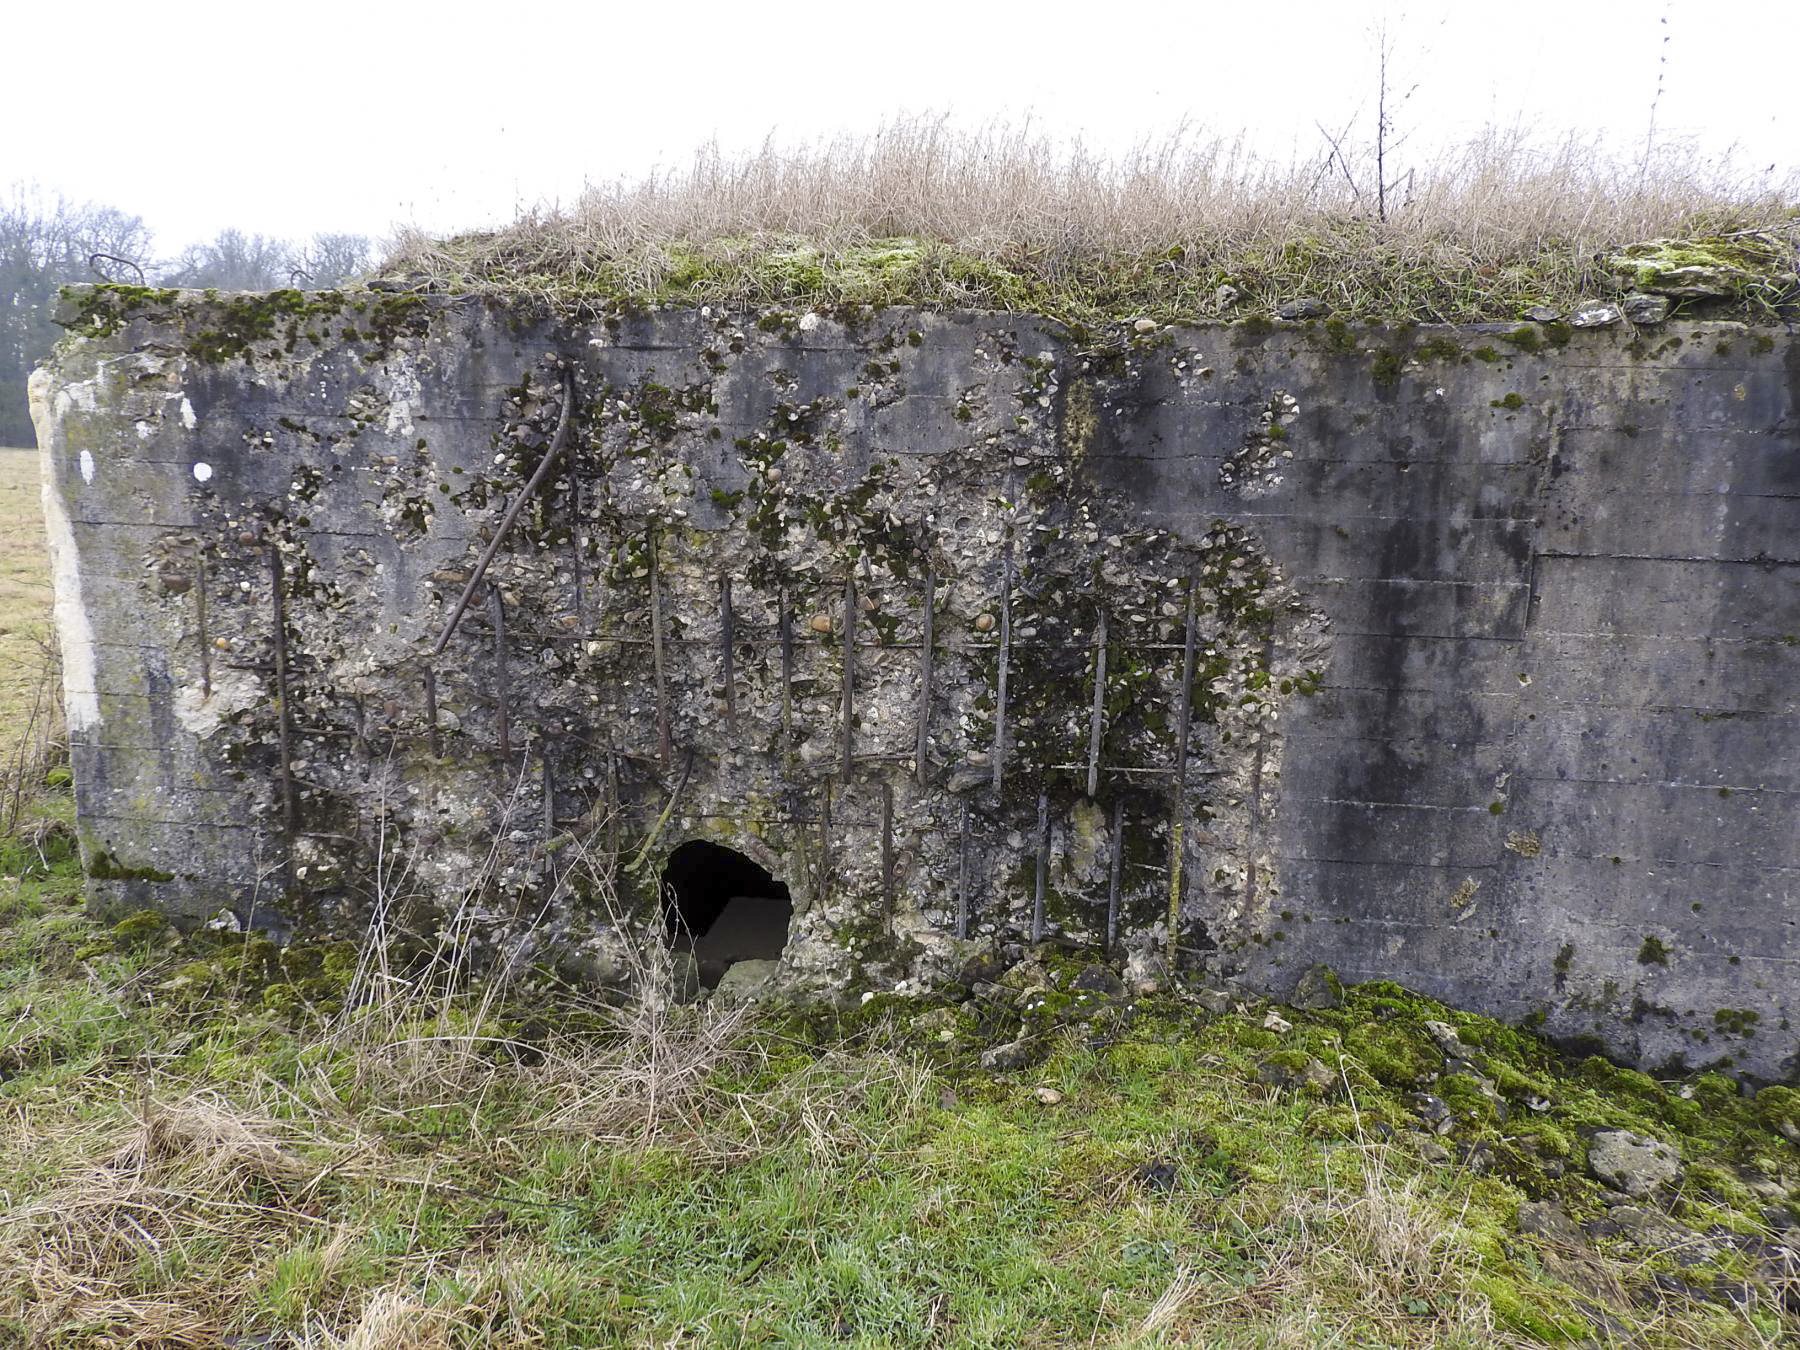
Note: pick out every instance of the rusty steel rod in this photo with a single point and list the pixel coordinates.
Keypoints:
(1097, 719)
(887, 851)
(431, 713)
(615, 823)
(1178, 806)
(549, 786)
(849, 671)
(1043, 867)
(664, 751)
(1006, 585)
(512, 512)
(725, 640)
(502, 675)
(785, 624)
(1185, 703)
(824, 887)
(362, 727)
(575, 552)
(962, 873)
(922, 768)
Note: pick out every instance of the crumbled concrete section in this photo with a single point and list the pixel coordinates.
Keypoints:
(1414, 596)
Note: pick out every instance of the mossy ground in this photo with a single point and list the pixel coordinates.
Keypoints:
(198, 1142)
(1354, 268)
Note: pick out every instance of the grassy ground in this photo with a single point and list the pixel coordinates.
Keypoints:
(204, 1139)
(24, 593)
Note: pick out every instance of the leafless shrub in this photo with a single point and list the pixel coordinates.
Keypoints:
(647, 1071)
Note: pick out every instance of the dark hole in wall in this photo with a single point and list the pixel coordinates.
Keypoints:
(722, 907)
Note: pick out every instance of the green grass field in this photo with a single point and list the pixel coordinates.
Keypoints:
(24, 592)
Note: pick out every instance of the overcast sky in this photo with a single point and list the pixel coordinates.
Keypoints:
(288, 119)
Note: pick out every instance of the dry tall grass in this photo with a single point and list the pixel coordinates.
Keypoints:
(1005, 217)
(431, 1029)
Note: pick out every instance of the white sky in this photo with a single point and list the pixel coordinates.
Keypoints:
(359, 116)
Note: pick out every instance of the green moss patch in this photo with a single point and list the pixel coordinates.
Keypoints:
(1371, 274)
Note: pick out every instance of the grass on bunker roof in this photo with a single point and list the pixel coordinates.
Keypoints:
(1184, 229)
(208, 1141)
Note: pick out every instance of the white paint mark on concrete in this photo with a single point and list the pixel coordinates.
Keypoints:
(202, 472)
(188, 419)
(74, 633)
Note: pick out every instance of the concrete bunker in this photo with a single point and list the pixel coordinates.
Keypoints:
(1220, 648)
(723, 907)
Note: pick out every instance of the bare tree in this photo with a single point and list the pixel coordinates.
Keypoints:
(1662, 72)
(1349, 158)
(45, 245)
(234, 261)
(333, 259)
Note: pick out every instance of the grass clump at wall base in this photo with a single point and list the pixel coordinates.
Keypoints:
(209, 1139)
(919, 214)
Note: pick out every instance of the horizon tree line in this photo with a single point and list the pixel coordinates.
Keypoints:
(48, 244)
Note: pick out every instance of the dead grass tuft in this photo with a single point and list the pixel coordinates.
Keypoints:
(431, 1029)
(392, 1320)
(195, 1170)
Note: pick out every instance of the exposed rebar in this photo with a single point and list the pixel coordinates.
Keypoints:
(1006, 584)
(502, 675)
(922, 769)
(725, 641)
(849, 672)
(664, 750)
(1043, 867)
(1097, 719)
(512, 512)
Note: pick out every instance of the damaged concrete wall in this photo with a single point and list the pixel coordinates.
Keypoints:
(1465, 658)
